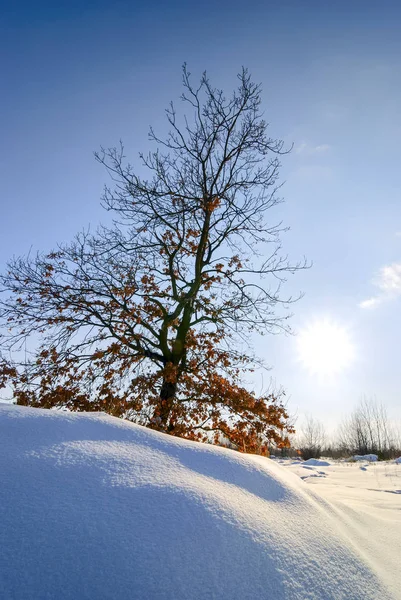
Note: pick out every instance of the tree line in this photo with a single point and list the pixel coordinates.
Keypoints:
(366, 430)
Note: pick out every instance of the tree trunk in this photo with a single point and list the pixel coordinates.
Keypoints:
(167, 396)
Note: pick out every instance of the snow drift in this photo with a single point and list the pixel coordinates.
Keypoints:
(97, 508)
(366, 457)
(314, 462)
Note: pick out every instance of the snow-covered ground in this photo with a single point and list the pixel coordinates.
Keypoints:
(96, 508)
(365, 498)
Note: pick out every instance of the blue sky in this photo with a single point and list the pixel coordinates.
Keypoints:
(79, 75)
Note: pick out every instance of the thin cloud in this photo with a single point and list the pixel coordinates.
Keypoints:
(371, 302)
(306, 149)
(388, 281)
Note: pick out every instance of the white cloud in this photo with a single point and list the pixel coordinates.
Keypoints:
(388, 281)
(307, 150)
(370, 302)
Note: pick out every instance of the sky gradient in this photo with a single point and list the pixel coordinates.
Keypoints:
(76, 77)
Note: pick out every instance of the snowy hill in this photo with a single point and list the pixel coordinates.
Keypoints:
(96, 508)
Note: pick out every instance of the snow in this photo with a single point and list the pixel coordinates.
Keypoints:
(93, 507)
(314, 462)
(366, 500)
(367, 457)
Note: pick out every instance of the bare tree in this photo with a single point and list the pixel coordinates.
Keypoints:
(367, 430)
(312, 438)
(148, 315)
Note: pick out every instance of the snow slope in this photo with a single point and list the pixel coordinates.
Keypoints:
(366, 500)
(96, 508)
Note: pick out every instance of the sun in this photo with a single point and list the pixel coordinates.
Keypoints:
(325, 348)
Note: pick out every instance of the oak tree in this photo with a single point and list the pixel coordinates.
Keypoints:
(150, 318)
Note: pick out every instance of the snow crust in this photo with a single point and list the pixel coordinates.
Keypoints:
(93, 507)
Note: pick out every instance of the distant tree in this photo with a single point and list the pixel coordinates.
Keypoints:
(312, 438)
(367, 430)
(150, 318)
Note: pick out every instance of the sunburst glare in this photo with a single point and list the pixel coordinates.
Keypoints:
(325, 348)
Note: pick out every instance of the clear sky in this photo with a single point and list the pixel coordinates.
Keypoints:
(76, 75)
